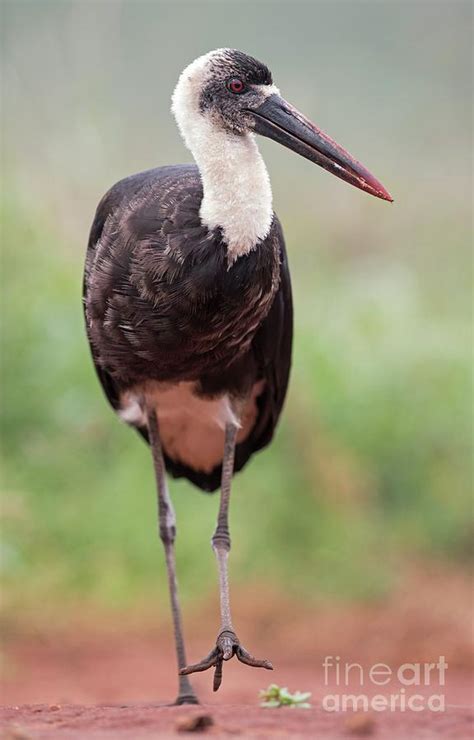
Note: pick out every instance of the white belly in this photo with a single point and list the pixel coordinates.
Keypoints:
(191, 427)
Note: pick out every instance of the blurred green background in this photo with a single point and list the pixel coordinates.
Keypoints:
(370, 469)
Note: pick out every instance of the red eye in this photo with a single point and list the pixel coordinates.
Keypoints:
(235, 85)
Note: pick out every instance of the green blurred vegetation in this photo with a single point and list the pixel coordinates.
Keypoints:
(371, 465)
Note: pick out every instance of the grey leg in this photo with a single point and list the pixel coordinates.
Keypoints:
(221, 537)
(227, 643)
(167, 530)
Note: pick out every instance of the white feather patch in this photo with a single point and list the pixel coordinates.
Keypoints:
(191, 427)
(131, 411)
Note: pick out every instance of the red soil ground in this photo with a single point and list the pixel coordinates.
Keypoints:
(95, 679)
(137, 722)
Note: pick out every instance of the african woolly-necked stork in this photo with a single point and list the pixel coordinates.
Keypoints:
(188, 299)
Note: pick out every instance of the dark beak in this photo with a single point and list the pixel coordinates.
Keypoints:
(280, 121)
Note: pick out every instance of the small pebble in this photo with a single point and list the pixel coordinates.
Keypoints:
(361, 724)
(197, 722)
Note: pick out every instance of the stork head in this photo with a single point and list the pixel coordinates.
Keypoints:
(222, 87)
(233, 93)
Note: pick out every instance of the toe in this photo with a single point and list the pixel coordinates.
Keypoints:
(206, 663)
(248, 659)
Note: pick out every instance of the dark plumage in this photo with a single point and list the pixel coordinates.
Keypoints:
(162, 304)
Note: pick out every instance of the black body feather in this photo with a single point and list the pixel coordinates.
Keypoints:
(162, 303)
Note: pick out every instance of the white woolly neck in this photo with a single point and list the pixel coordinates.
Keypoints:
(237, 194)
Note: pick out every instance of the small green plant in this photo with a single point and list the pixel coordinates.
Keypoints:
(275, 696)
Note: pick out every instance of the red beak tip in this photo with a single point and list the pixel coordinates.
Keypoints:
(371, 185)
(383, 194)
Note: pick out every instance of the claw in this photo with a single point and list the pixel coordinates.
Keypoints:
(227, 645)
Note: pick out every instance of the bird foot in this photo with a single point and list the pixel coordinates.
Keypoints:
(227, 645)
(186, 699)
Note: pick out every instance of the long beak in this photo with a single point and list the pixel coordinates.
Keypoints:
(280, 121)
